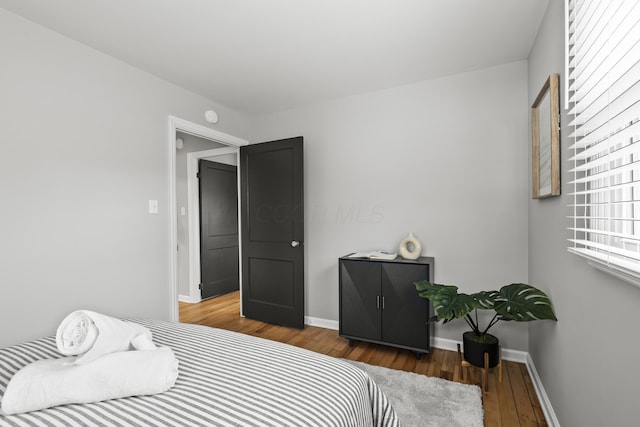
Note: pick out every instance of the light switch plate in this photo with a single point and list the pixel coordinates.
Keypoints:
(153, 206)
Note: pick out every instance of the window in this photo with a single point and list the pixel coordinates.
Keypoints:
(603, 98)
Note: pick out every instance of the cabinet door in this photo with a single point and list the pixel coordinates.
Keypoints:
(404, 314)
(359, 293)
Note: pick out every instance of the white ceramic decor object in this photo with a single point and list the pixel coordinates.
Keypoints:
(410, 247)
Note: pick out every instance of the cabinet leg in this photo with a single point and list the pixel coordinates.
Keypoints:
(351, 342)
(418, 355)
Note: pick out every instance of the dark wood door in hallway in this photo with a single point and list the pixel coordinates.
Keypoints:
(219, 241)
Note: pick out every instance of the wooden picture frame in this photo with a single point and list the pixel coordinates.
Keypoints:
(545, 140)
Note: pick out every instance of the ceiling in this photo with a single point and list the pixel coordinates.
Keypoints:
(261, 56)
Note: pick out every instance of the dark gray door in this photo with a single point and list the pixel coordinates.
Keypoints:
(219, 251)
(273, 232)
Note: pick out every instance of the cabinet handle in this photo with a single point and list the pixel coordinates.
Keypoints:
(378, 302)
(383, 303)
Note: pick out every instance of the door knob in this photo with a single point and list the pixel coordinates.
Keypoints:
(295, 243)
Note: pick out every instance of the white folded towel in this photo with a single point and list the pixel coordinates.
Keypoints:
(54, 382)
(90, 335)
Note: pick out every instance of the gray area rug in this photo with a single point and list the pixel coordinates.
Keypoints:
(422, 401)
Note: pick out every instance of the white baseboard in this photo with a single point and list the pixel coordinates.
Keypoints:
(549, 413)
(322, 323)
(442, 343)
(507, 354)
(187, 298)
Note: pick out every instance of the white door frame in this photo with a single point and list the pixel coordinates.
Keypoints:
(180, 125)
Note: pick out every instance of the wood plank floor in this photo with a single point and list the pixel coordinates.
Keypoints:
(512, 403)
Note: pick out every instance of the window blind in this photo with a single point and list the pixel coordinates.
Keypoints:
(603, 93)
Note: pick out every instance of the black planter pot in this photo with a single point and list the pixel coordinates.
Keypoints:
(474, 351)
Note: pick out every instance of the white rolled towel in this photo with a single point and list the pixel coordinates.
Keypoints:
(52, 382)
(90, 335)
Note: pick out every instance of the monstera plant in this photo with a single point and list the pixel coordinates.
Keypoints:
(517, 302)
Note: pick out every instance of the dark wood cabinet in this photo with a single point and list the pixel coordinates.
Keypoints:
(379, 302)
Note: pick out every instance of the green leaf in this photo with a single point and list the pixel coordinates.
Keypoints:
(459, 306)
(448, 304)
(486, 300)
(427, 289)
(433, 319)
(521, 303)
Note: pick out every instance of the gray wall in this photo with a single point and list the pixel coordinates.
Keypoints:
(587, 359)
(84, 147)
(444, 159)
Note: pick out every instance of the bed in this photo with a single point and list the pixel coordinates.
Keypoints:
(225, 379)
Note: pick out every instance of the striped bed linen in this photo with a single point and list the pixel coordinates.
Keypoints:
(225, 379)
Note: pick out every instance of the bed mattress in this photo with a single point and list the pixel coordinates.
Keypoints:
(225, 379)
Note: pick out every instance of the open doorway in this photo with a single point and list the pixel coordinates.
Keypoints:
(190, 150)
(185, 219)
